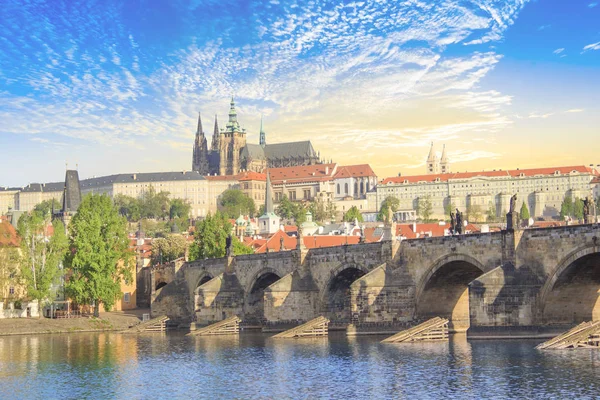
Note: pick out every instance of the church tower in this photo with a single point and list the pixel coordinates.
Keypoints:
(269, 221)
(432, 161)
(232, 140)
(263, 138)
(216, 137)
(200, 154)
(444, 162)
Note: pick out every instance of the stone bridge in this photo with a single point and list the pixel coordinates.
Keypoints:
(520, 278)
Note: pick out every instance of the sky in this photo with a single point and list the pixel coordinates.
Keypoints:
(112, 86)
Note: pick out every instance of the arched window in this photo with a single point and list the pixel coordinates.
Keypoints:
(338, 188)
(362, 187)
(346, 188)
(355, 188)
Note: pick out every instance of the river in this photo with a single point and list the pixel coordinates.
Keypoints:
(253, 366)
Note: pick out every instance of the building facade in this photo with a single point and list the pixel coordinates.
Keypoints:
(230, 154)
(541, 189)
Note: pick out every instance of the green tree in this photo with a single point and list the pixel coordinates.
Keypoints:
(566, 208)
(235, 202)
(100, 256)
(491, 213)
(128, 206)
(154, 205)
(41, 253)
(44, 209)
(285, 208)
(389, 204)
(179, 209)
(352, 214)
(578, 208)
(210, 238)
(322, 209)
(524, 213)
(168, 248)
(424, 208)
(448, 209)
(474, 213)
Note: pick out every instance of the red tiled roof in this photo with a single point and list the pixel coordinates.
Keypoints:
(489, 174)
(8, 235)
(273, 243)
(251, 176)
(360, 170)
(430, 229)
(318, 172)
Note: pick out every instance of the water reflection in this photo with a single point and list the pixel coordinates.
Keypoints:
(106, 365)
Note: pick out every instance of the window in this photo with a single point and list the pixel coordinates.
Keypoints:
(307, 194)
(11, 290)
(338, 188)
(292, 195)
(127, 297)
(346, 188)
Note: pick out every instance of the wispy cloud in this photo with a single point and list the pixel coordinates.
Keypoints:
(593, 46)
(592, 5)
(575, 110)
(543, 27)
(558, 51)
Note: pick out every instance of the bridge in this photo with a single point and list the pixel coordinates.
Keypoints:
(509, 279)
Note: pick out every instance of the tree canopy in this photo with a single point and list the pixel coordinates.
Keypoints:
(524, 212)
(235, 202)
(168, 248)
(388, 206)
(41, 252)
(352, 214)
(566, 208)
(424, 208)
(322, 210)
(100, 257)
(210, 238)
(44, 209)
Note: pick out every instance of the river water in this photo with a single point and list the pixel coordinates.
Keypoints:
(111, 365)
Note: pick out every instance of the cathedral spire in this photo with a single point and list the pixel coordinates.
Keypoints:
(268, 196)
(432, 162)
(444, 162)
(233, 124)
(216, 138)
(263, 139)
(199, 130)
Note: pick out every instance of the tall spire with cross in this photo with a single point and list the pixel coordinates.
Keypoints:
(200, 153)
(263, 139)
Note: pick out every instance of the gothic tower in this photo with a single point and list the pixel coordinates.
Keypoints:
(232, 140)
(432, 161)
(200, 155)
(215, 139)
(263, 139)
(444, 162)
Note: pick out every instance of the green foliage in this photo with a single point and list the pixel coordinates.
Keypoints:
(9, 260)
(388, 207)
(128, 206)
(449, 208)
(352, 214)
(286, 208)
(567, 207)
(210, 238)
(179, 209)
(524, 213)
(44, 209)
(424, 208)
(41, 254)
(322, 210)
(154, 205)
(168, 248)
(578, 208)
(491, 213)
(235, 202)
(100, 257)
(261, 210)
(474, 213)
(295, 210)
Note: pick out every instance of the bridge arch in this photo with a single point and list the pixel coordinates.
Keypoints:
(443, 290)
(160, 285)
(254, 305)
(205, 277)
(335, 295)
(570, 295)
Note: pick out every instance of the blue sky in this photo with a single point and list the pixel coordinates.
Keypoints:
(116, 86)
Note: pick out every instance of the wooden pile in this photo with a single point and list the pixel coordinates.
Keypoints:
(433, 330)
(584, 336)
(229, 326)
(315, 327)
(158, 324)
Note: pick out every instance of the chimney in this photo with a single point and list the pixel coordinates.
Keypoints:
(326, 170)
(414, 227)
(134, 177)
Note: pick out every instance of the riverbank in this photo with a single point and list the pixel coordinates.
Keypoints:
(108, 321)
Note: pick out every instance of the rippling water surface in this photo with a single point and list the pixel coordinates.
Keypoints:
(110, 365)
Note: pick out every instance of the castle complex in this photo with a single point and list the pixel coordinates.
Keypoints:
(229, 153)
(435, 165)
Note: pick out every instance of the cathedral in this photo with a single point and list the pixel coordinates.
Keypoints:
(229, 153)
(435, 165)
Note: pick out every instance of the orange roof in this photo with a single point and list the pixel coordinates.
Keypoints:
(251, 176)
(273, 243)
(489, 174)
(318, 172)
(354, 171)
(8, 235)
(430, 230)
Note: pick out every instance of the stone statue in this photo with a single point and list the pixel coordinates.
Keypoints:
(452, 223)
(362, 234)
(513, 203)
(586, 210)
(459, 222)
(281, 245)
(228, 243)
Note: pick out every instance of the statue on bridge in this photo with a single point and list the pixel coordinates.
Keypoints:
(452, 223)
(459, 222)
(513, 203)
(512, 217)
(228, 243)
(586, 211)
(281, 245)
